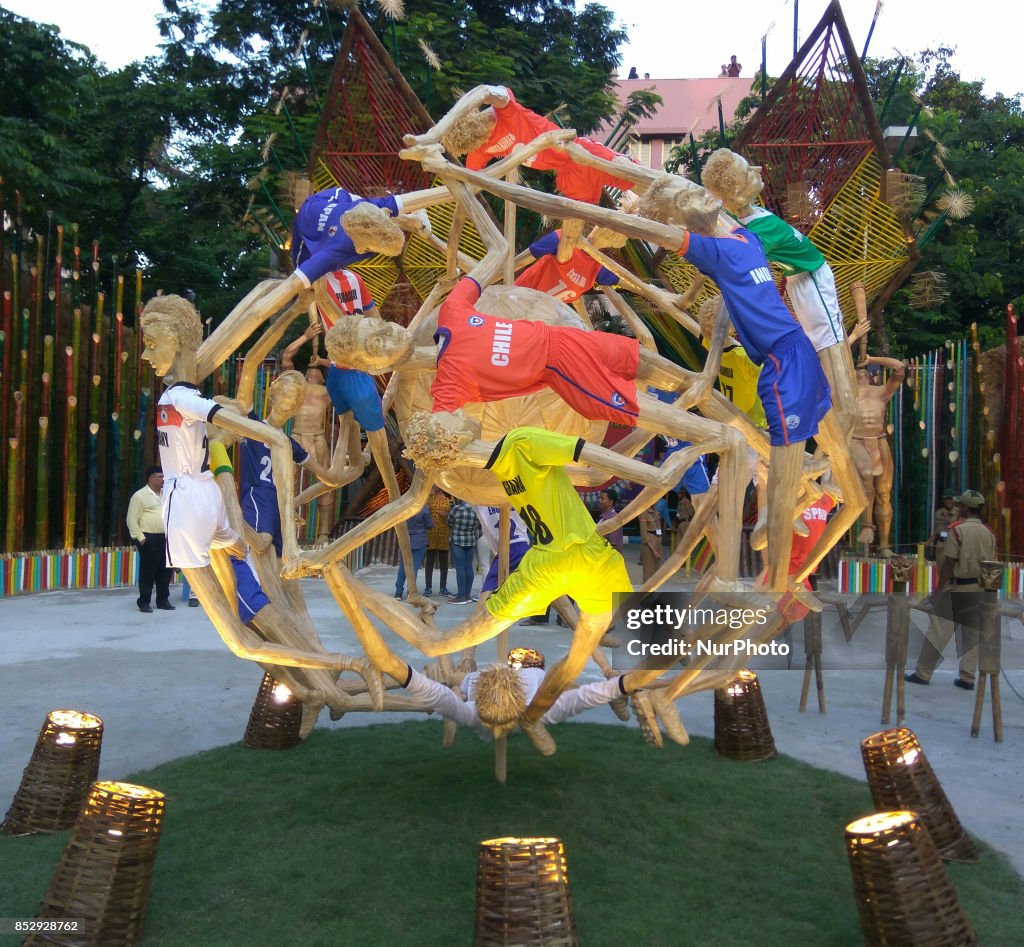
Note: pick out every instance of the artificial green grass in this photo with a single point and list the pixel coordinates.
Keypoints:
(368, 836)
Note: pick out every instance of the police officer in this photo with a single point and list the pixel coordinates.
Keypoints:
(944, 516)
(957, 599)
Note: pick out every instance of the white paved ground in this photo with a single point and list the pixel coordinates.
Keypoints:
(167, 687)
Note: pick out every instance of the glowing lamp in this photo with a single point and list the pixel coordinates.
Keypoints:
(903, 893)
(104, 873)
(900, 777)
(275, 719)
(63, 765)
(522, 894)
(742, 731)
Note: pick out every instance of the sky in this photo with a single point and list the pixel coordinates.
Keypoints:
(679, 45)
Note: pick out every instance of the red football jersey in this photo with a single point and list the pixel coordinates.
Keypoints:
(585, 184)
(348, 292)
(816, 519)
(483, 358)
(516, 126)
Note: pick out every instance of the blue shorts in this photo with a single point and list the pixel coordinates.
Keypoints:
(793, 390)
(356, 392)
(251, 597)
(261, 512)
(515, 555)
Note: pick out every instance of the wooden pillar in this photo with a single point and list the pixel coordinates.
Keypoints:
(897, 631)
(812, 652)
(989, 650)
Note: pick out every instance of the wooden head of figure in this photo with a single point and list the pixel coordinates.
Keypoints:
(368, 344)
(499, 695)
(171, 329)
(436, 441)
(285, 396)
(470, 132)
(728, 177)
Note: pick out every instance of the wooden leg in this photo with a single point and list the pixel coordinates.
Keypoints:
(887, 694)
(806, 686)
(979, 702)
(997, 710)
(783, 486)
(820, 681)
(378, 441)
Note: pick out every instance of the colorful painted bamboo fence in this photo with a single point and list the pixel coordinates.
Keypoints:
(871, 576)
(108, 567)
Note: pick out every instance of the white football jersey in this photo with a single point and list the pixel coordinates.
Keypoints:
(181, 416)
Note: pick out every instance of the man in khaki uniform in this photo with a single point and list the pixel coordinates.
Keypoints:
(945, 515)
(958, 598)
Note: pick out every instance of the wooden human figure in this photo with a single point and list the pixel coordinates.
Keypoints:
(598, 377)
(291, 625)
(765, 322)
(871, 452)
(195, 516)
(811, 288)
(333, 229)
(568, 555)
(309, 426)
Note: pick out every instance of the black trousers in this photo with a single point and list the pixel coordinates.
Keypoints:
(153, 569)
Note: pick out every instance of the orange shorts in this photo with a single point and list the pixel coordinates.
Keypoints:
(594, 373)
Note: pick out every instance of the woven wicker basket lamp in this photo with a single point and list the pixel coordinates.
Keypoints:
(903, 893)
(56, 781)
(522, 894)
(742, 731)
(275, 718)
(900, 777)
(103, 875)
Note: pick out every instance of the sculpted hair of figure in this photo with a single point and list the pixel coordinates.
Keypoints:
(372, 230)
(499, 695)
(178, 316)
(470, 132)
(430, 444)
(691, 207)
(289, 385)
(731, 179)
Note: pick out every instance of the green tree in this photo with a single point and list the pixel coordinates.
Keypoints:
(974, 140)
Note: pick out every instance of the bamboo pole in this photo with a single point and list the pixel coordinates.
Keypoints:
(42, 537)
(70, 471)
(14, 486)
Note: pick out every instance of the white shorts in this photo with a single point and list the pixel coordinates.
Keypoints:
(195, 520)
(816, 304)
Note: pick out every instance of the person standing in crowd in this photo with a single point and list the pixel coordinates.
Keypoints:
(944, 516)
(958, 595)
(146, 526)
(651, 548)
(438, 538)
(419, 524)
(607, 501)
(734, 68)
(465, 530)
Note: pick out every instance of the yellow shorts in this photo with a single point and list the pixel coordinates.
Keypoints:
(591, 573)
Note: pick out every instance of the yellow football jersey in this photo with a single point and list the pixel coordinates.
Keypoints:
(529, 462)
(737, 377)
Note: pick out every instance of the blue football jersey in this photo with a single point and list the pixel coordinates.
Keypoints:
(738, 265)
(319, 242)
(256, 469)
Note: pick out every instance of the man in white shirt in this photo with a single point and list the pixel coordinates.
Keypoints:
(146, 527)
